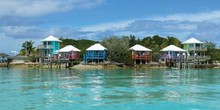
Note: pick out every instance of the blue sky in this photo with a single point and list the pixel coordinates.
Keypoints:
(22, 20)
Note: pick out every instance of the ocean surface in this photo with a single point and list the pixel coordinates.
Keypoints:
(109, 89)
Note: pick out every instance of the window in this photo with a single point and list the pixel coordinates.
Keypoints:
(67, 55)
(191, 45)
(45, 53)
(49, 43)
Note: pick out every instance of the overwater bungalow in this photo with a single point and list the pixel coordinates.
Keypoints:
(95, 53)
(196, 50)
(67, 53)
(48, 48)
(140, 54)
(173, 53)
(3, 57)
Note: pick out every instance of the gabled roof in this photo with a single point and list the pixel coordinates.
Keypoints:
(69, 48)
(173, 48)
(51, 38)
(96, 47)
(138, 47)
(192, 41)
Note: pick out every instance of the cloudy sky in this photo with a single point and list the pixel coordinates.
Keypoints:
(22, 20)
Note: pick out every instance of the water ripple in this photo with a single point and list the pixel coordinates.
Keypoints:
(40, 89)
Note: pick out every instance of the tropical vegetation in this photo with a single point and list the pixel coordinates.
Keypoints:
(27, 48)
(212, 51)
(118, 49)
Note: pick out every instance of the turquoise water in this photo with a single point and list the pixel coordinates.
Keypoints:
(112, 89)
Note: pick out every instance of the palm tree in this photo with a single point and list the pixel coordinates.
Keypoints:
(173, 41)
(28, 47)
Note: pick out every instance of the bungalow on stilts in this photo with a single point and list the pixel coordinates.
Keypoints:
(140, 54)
(47, 50)
(173, 55)
(196, 51)
(95, 54)
(66, 55)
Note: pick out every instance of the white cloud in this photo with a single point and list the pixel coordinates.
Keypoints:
(184, 22)
(193, 17)
(20, 32)
(29, 8)
(180, 25)
(204, 26)
(107, 26)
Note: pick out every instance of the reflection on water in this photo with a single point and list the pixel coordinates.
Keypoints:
(109, 89)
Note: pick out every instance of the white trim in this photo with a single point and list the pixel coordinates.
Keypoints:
(51, 38)
(96, 47)
(192, 41)
(138, 47)
(173, 48)
(69, 48)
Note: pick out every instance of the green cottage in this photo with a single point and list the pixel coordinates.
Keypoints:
(196, 50)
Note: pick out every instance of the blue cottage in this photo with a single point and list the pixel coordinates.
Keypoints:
(3, 57)
(95, 53)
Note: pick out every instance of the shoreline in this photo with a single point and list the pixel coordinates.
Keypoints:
(79, 66)
(82, 66)
(94, 66)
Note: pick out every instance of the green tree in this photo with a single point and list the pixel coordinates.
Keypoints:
(212, 51)
(155, 43)
(158, 39)
(132, 40)
(170, 41)
(210, 45)
(27, 48)
(148, 42)
(118, 49)
(173, 41)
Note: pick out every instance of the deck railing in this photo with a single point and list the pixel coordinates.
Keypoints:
(65, 57)
(44, 47)
(198, 57)
(141, 57)
(72, 57)
(173, 57)
(186, 58)
(198, 48)
(95, 56)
